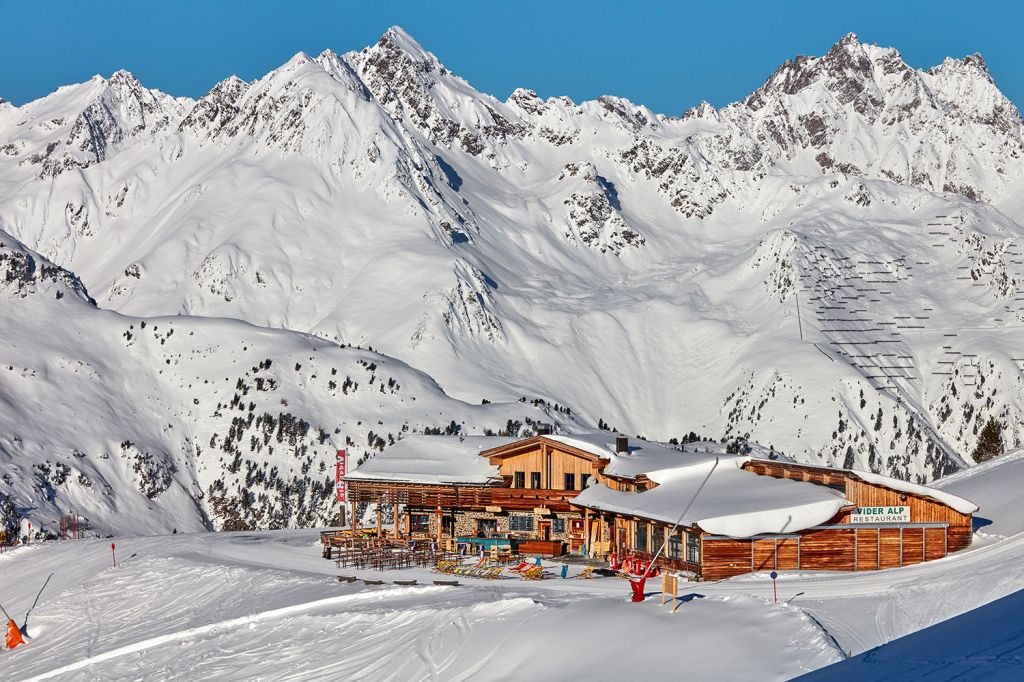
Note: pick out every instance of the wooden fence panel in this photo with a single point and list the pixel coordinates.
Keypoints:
(830, 550)
(959, 537)
(725, 558)
(913, 546)
(787, 553)
(764, 555)
(867, 549)
(934, 543)
(891, 548)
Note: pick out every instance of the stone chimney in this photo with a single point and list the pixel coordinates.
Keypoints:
(543, 429)
(622, 445)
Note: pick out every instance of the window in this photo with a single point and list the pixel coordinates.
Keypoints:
(692, 548)
(420, 523)
(570, 482)
(657, 538)
(534, 479)
(519, 479)
(640, 538)
(487, 525)
(584, 481)
(675, 547)
(558, 525)
(520, 523)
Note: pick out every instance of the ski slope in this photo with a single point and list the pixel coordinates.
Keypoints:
(264, 605)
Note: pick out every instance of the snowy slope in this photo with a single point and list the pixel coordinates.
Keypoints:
(144, 425)
(831, 266)
(950, 650)
(264, 605)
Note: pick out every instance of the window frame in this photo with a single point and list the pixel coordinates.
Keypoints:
(640, 531)
(676, 543)
(657, 537)
(519, 479)
(558, 524)
(517, 520)
(535, 480)
(569, 481)
(692, 548)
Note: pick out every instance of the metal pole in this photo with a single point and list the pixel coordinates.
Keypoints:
(680, 520)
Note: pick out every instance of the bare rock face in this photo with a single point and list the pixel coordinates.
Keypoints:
(594, 217)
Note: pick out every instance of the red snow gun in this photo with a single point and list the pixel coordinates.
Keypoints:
(14, 637)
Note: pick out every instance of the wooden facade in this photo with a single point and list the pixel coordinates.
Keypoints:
(933, 531)
(533, 498)
(551, 474)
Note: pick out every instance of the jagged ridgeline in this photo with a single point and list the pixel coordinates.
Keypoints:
(831, 266)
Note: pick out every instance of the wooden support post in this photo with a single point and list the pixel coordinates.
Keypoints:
(586, 532)
(604, 533)
(408, 523)
(353, 522)
(439, 516)
(380, 519)
(395, 528)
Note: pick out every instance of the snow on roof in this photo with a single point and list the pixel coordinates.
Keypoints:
(643, 456)
(958, 503)
(734, 502)
(433, 460)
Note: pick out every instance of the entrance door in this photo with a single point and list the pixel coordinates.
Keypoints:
(448, 526)
(545, 530)
(576, 528)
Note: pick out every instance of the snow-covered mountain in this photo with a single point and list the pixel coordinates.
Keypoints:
(145, 425)
(831, 266)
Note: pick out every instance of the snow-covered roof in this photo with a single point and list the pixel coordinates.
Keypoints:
(643, 456)
(958, 503)
(435, 460)
(734, 502)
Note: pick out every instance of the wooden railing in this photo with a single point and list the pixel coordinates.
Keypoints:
(461, 497)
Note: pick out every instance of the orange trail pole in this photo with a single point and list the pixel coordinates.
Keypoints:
(113, 557)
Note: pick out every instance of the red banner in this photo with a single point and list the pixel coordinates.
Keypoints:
(339, 471)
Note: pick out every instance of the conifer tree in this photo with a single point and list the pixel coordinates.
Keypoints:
(990, 442)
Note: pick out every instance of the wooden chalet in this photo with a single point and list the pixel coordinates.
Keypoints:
(598, 494)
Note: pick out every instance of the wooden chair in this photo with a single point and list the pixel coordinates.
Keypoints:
(586, 574)
(533, 573)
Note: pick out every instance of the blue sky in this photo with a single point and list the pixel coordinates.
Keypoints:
(667, 55)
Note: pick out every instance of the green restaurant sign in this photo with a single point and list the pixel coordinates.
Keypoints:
(880, 515)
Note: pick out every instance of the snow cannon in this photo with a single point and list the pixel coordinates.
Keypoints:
(637, 587)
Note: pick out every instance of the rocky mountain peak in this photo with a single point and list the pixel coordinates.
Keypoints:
(971, 66)
(703, 111)
(124, 78)
(396, 38)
